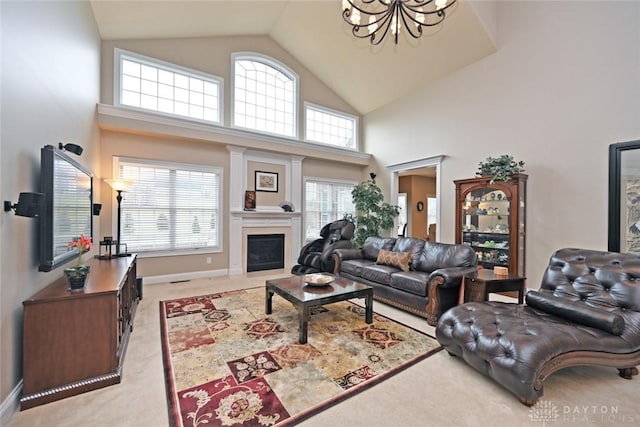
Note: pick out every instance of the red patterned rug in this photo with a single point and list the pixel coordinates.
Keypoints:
(227, 363)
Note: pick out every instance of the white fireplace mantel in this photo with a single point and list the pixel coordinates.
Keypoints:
(267, 220)
(265, 217)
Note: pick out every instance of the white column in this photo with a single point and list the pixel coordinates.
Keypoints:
(237, 185)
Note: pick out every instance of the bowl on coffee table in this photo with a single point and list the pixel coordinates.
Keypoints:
(318, 279)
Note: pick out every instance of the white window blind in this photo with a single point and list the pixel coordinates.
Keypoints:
(325, 201)
(170, 206)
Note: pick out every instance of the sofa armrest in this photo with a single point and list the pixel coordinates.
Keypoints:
(327, 254)
(451, 277)
(443, 290)
(345, 254)
(340, 255)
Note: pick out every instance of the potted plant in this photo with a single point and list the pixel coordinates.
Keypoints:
(373, 214)
(77, 276)
(500, 168)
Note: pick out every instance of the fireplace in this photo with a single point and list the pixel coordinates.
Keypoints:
(265, 252)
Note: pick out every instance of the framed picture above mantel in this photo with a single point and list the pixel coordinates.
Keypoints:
(266, 181)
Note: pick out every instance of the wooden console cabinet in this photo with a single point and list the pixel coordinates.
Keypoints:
(75, 341)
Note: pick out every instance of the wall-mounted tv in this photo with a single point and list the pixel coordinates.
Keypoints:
(67, 211)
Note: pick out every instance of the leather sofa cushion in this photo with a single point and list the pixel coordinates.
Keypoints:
(373, 244)
(437, 255)
(414, 282)
(379, 273)
(576, 311)
(355, 266)
(412, 245)
(400, 260)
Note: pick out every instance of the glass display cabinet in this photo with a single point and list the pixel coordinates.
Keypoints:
(490, 217)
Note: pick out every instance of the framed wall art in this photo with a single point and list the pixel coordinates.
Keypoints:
(267, 181)
(624, 197)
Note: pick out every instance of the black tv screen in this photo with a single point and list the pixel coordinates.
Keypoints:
(67, 211)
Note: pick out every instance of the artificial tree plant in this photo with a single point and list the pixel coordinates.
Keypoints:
(373, 214)
(500, 168)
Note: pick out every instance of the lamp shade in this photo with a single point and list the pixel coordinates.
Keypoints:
(119, 184)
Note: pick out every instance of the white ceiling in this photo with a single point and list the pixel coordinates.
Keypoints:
(314, 32)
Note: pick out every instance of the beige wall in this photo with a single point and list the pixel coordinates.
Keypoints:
(333, 170)
(50, 86)
(555, 95)
(267, 198)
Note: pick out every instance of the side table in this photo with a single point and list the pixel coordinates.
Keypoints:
(478, 286)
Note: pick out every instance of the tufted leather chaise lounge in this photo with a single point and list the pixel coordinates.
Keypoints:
(586, 312)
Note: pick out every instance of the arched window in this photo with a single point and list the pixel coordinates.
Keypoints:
(265, 95)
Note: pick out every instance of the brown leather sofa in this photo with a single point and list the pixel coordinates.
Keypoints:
(421, 277)
(586, 312)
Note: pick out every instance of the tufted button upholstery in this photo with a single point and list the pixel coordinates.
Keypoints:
(515, 344)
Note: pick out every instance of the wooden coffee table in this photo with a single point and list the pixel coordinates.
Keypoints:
(304, 297)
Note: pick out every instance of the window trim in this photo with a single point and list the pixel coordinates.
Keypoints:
(154, 62)
(281, 67)
(323, 109)
(219, 248)
(306, 179)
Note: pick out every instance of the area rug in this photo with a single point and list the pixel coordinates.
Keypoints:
(227, 363)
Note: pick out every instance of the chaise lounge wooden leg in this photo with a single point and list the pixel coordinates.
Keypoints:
(628, 373)
(527, 402)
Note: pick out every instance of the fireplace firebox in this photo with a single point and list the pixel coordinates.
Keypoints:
(265, 252)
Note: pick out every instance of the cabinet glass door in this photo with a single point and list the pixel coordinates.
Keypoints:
(485, 225)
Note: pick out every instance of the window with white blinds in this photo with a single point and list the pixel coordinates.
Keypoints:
(325, 201)
(170, 206)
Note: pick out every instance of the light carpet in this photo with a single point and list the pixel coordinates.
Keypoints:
(226, 362)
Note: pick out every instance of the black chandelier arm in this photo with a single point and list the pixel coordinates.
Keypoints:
(382, 22)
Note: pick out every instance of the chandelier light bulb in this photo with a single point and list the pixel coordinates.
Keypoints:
(373, 25)
(441, 4)
(355, 17)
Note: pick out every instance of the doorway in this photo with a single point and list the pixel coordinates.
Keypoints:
(420, 182)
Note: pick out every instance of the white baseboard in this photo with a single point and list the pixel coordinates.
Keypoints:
(180, 277)
(10, 405)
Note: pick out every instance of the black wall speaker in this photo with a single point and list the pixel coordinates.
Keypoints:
(97, 207)
(29, 205)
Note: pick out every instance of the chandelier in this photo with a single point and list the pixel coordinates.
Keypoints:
(374, 18)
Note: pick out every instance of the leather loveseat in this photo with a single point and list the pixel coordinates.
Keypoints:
(412, 274)
(586, 312)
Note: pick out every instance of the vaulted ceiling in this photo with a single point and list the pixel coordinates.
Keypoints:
(314, 32)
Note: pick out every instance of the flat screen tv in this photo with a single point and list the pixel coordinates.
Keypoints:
(67, 210)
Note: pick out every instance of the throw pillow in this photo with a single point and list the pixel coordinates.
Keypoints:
(577, 311)
(400, 260)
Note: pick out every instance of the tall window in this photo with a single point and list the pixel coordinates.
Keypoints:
(325, 201)
(151, 84)
(330, 127)
(170, 206)
(265, 95)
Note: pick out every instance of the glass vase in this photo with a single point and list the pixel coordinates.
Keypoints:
(76, 277)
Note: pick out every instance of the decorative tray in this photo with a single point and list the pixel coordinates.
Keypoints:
(318, 279)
